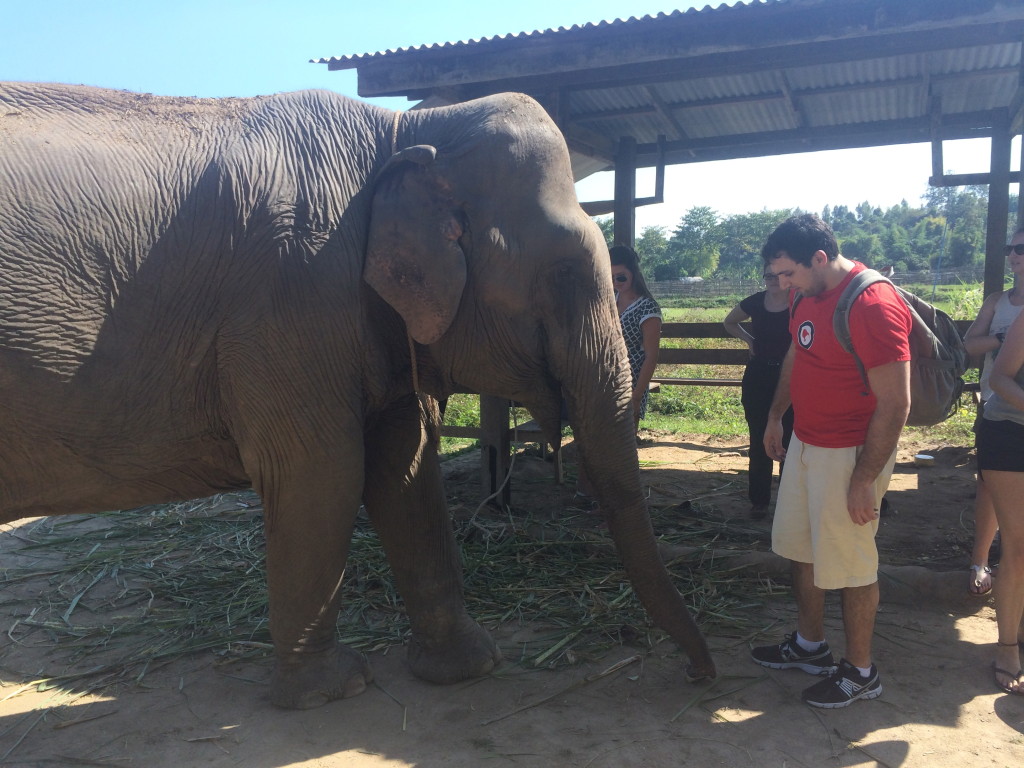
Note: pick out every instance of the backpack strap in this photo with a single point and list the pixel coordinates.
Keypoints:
(841, 317)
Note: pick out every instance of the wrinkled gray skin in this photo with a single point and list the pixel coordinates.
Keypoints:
(203, 295)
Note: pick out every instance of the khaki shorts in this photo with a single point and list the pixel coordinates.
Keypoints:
(812, 523)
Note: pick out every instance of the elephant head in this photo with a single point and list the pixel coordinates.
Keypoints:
(477, 240)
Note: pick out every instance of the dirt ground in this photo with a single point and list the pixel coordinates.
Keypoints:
(933, 647)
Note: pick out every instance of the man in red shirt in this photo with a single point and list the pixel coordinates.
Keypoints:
(840, 457)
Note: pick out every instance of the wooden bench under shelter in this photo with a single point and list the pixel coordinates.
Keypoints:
(497, 433)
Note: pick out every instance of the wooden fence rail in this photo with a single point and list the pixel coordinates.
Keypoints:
(496, 435)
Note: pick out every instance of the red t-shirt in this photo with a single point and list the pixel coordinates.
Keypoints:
(830, 406)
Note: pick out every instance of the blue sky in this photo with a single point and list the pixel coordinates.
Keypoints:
(244, 48)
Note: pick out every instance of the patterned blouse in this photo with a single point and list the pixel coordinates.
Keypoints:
(632, 318)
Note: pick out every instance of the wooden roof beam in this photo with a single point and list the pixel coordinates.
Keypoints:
(908, 131)
(799, 119)
(666, 112)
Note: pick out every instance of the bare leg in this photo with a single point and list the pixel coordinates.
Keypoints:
(860, 604)
(810, 602)
(1007, 490)
(985, 528)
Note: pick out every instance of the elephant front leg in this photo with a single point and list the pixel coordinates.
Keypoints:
(405, 499)
(309, 528)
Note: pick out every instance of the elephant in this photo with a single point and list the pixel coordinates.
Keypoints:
(202, 295)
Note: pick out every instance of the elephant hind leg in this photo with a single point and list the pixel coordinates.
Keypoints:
(339, 673)
(405, 500)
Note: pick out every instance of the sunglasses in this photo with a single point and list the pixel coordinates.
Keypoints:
(1018, 249)
(624, 278)
(771, 277)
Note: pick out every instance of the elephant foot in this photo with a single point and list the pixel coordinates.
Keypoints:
(308, 681)
(694, 673)
(464, 654)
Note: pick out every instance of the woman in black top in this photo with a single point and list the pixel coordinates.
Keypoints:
(768, 312)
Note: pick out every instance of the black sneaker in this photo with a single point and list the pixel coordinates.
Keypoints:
(844, 687)
(789, 655)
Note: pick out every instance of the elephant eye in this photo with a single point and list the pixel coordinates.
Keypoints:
(565, 274)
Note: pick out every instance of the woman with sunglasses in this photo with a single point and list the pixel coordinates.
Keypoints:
(1001, 465)
(768, 312)
(985, 337)
(640, 316)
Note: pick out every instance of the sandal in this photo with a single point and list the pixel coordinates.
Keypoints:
(981, 582)
(1015, 680)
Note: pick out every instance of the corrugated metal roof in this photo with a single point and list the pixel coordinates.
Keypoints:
(355, 59)
(754, 78)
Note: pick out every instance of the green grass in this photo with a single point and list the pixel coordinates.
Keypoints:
(717, 304)
(688, 410)
(694, 314)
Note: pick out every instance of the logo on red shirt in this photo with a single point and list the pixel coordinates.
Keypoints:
(805, 334)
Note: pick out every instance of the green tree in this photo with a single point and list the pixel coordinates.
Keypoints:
(927, 241)
(965, 210)
(742, 237)
(607, 225)
(843, 220)
(652, 248)
(695, 245)
(896, 248)
(864, 247)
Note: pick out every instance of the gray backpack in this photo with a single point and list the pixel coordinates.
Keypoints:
(937, 355)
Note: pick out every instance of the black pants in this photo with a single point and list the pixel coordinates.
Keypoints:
(759, 380)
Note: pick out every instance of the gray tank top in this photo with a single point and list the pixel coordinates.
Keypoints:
(1005, 313)
(997, 409)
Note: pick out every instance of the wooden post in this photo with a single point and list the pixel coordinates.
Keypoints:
(625, 192)
(494, 448)
(1020, 189)
(998, 204)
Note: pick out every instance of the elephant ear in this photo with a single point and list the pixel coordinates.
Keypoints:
(413, 257)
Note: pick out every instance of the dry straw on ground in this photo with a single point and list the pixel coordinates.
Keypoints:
(117, 594)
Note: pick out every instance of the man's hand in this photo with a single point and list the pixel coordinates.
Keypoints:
(891, 384)
(773, 439)
(860, 503)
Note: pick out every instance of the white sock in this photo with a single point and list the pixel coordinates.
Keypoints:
(863, 672)
(806, 644)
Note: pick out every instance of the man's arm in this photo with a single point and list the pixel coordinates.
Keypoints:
(890, 384)
(780, 404)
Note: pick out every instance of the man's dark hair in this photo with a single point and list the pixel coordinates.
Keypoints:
(799, 237)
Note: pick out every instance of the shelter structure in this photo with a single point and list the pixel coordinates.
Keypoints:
(766, 77)
(758, 78)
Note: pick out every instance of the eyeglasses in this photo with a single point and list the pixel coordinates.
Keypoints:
(1018, 249)
(624, 278)
(769, 277)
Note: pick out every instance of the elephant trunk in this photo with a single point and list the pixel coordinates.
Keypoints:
(603, 427)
